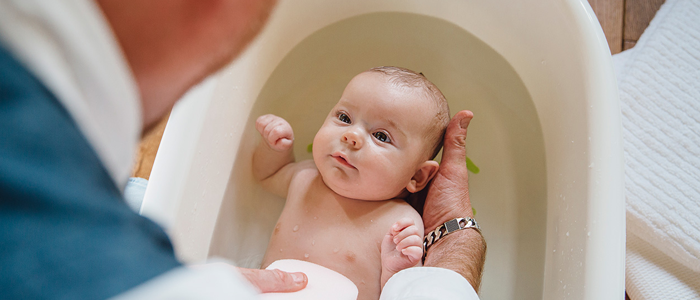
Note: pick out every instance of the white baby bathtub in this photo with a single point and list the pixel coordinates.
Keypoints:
(546, 134)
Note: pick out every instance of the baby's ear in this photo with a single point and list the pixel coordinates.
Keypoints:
(423, 175)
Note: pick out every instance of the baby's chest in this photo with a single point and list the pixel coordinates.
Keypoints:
(325, 236)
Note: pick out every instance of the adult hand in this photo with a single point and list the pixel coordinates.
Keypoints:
(268, 281)
(447, 198)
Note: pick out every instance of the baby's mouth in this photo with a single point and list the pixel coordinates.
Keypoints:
(342, 159)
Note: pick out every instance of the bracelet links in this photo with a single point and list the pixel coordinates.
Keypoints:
(447, 228)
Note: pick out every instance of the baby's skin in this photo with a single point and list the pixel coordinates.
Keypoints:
(345, 209)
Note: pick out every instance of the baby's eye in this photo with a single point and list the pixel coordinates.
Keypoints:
(343, 118)
(382, 137)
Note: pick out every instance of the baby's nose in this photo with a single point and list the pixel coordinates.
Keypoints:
(352, 138)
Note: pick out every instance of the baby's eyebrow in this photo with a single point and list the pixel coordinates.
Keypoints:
(393, 125)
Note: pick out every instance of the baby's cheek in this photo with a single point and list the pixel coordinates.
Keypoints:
(387, 183)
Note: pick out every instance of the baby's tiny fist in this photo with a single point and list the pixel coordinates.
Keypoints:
(276, 132)
(403, 246)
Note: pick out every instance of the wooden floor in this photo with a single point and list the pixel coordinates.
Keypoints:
(623, 22)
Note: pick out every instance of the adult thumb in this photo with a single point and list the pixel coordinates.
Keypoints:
(268, 281)
(454, 150)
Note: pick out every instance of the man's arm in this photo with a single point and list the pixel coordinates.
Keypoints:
(463, 251)
(453, 265)
(447, 198)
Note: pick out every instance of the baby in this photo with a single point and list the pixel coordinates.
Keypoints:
(345, 208)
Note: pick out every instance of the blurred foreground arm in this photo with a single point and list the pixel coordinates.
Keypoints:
(216, 280)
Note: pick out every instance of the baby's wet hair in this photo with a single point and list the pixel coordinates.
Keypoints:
(409, 78)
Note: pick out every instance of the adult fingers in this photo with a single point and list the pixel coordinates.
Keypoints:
(268, 281)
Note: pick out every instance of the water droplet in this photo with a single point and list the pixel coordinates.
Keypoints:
(280, 249)
(362, 281)
(567, 233)
(371, 221)
(296, 228)
(313, 242)
(555, 250)
(336, 250)
(591, 165)
(306, 255)
(589, 233)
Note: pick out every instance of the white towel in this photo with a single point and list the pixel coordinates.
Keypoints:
(652, 275)
(659, 82)
(660, 102)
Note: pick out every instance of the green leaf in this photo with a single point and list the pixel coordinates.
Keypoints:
(310, 147)
(473, 211)
(471, 166)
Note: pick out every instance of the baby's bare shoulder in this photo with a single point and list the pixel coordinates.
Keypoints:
(304, 174)
(305, 170)
(397, 209)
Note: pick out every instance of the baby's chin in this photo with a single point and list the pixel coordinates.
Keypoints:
(360, 193)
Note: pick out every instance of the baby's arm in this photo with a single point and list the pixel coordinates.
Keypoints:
(274, 156)
(402, 247)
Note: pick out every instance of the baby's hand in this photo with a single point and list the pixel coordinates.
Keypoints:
(402, 247)
(276, 132)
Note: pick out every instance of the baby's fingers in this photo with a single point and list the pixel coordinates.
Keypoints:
(278, 130)
(409, 241)
(408, 231)
(401, 225)
(263, 121)
(413, 253)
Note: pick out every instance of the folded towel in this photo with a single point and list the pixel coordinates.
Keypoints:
(659, 83)
(652, 275)
(660, 102)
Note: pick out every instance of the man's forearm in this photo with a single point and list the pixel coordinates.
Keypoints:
(463, 251)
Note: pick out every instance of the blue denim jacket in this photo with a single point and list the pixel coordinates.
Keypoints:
(65, 230)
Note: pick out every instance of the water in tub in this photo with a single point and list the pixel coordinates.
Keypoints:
(504, 139)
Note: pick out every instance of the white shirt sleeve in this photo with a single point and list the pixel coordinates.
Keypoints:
(428, 283)
(221, 281)
(208, 281)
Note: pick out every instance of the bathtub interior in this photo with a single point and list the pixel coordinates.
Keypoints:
(532, 81)
(505, 139)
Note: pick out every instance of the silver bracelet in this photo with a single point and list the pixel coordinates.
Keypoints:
(447, 228)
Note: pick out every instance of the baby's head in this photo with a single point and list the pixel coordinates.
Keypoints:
(380, 138)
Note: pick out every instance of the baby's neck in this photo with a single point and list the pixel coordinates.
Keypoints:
(403, 195)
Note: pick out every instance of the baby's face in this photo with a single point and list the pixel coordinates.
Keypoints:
(374, 139)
